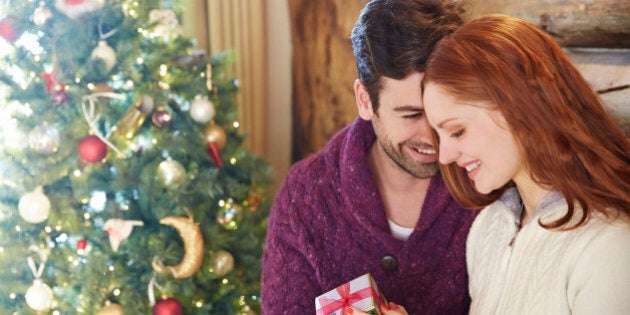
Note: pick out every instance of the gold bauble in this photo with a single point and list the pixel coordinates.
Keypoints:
(132, 119)
(216, 134)
(111, 309)
(171, 174)
(223, 263)
(230, 215)
(254, 200)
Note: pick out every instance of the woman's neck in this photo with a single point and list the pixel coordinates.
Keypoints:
(531, 195)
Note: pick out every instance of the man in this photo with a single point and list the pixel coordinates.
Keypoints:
(372, 200)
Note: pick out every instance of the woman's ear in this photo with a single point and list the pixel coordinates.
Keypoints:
(362, 98)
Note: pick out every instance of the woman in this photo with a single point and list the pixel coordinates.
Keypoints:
(522, 134)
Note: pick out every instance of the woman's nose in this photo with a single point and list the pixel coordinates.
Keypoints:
(448, 153)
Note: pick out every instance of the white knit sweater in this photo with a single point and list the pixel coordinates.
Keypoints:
(582, 271)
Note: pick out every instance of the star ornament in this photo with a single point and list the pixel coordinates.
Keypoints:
(52, 84)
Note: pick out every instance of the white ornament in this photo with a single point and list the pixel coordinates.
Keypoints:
(41, 15)
(39, 296)
(105, 53)
(201, 110)
(75, 8)
(165, 22)
(34, 207)
(44, 139)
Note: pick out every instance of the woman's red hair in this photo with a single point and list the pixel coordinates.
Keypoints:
(568, 140)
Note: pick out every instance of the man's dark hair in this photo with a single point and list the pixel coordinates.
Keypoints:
(393, 38)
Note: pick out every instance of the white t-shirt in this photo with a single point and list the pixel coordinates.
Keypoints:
(399, 232)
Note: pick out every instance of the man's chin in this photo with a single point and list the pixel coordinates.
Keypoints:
(425, 171)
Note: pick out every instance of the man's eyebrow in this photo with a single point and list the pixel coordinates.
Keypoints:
(408, 108)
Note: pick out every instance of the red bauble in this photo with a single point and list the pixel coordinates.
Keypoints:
(92, 149)
(9, 28)
(59, 97)
(81, 244)
(168, 306)
(161, 118)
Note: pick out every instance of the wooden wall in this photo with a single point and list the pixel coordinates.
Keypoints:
(324, 69)
(573, 23)
(595, 33)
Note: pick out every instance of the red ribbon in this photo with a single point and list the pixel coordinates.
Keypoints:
(50, 79)
(213, 151)
(330, 305)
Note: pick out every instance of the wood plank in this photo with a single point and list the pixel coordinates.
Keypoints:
(573, 23)
(323, 70)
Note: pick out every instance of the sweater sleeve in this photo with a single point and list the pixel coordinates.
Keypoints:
(601, 279)
(289, 284)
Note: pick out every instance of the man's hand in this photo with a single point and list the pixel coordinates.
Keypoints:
(391, 309)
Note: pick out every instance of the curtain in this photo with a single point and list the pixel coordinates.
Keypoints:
(237, 25)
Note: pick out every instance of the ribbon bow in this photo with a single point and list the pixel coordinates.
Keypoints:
(92, 118)
(346, 299)
(37, 270)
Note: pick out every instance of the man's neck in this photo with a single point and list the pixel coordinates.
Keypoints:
(402, 193)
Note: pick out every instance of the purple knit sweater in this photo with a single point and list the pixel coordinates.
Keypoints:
(328, 226)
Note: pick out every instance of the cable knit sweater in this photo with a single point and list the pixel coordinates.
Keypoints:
(582, 271)
(328, 226)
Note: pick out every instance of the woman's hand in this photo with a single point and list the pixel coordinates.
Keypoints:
(391, 309)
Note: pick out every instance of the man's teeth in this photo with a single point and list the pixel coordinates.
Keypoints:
(473, 166)
(426, 151)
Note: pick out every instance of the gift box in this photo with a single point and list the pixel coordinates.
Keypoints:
(361, 293)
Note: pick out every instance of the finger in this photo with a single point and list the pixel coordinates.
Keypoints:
(393, 309)
(355, 311)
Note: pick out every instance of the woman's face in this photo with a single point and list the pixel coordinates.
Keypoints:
(474, 136)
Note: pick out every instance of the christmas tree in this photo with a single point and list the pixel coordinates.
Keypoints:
(124, 185)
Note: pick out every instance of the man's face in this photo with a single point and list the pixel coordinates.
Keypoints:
(402, 129)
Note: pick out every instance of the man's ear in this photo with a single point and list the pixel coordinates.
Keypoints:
(362, 98)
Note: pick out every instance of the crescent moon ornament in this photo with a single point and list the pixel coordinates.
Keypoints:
(193, 248)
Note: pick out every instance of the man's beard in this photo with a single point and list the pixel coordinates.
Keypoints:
(415, 168)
